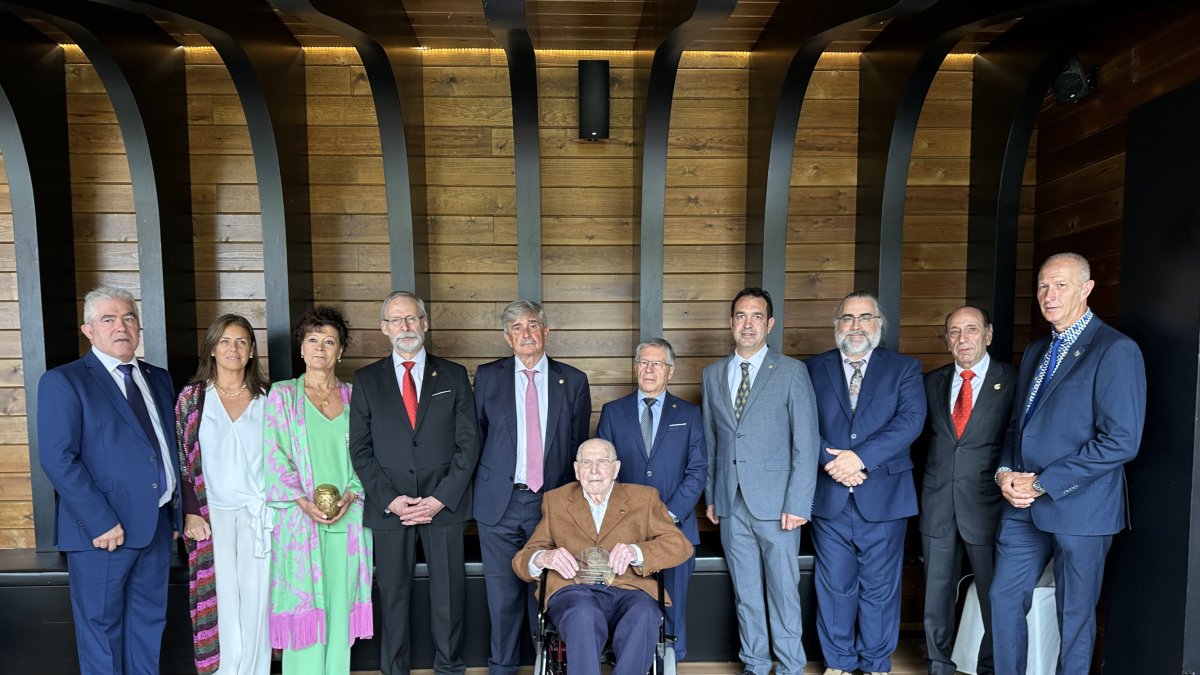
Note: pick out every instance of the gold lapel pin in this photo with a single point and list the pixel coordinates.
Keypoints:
(562, 381)
(674, 406)
(997, 387)
(433, 374)
(1076, 353)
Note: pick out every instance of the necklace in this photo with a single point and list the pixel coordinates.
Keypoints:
(236, 393)
(324, 399)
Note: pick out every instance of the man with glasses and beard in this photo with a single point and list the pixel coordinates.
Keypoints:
(414, 444)
(871, 407)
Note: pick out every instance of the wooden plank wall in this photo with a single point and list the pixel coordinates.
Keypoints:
(1081, 152)
(589, 215)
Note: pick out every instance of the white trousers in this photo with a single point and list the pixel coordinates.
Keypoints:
(243, 587)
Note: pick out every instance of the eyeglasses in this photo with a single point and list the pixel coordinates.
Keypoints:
(848, 319)
(598, 463)
(397, 321)
(651, 365)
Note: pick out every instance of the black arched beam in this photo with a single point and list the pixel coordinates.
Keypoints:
(142, 70)
(781, 65)
(506, 19)
(33, 140)
(1011, 77)
(655, 128)
(267, 67)
(897, 70)
(385, 41)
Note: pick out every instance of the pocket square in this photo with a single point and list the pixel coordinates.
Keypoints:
(447, 391)
(678, 424)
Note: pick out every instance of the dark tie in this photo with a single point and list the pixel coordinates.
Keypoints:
(855, 382)
(1050, 370)
(133, 394)
(410, 393)
(962, 406)
(743, 392)
(648, 424)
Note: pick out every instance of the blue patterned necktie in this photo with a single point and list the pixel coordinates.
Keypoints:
(133, 394)
(1051, 369)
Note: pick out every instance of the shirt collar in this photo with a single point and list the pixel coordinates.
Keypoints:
(543, 366)
(1072, 332)
(418, 358)
(641, 396)
(755, 361)
(110, 363)
(980, 369)
(604, 502)
(866, 359)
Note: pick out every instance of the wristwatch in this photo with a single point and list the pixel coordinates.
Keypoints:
(1037, 487)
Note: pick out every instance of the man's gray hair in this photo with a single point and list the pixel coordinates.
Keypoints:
(400, 294)
(863, 295)
(609, 447)
(103, 294)
(1085, 268)
(655, 342)
(519, 308)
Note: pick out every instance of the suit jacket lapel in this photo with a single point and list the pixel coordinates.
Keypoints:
(988, 393)
(109, 385)
(630, 409)
(670, 409)
(388, 373)
(555, 393)
(429, 383)
(760, 379)
(945, 379)
(508, 400)
(580, 512)
(618, 506)
(1077, 350)
(837, 378)
(724, 395)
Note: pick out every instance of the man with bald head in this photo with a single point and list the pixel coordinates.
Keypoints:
(969, 403)
(633, 536)
(1080, 406)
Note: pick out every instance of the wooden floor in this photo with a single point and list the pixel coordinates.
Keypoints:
(909, 659)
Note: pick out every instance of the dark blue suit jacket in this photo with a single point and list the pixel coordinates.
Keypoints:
(567, 422)
(678, 462)
(889, 417)
(1087, 424)
(97, 456)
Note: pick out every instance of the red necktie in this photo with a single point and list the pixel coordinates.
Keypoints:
(410, 393)
(962, 407)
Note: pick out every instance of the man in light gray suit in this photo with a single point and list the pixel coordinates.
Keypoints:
(760, 421)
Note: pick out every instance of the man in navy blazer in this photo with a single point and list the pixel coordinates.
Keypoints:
(871, 406)
(114, 468)
(1081, 404)
(660, 443)
(533, 413)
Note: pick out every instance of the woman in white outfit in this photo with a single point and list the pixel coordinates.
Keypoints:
(226, 523)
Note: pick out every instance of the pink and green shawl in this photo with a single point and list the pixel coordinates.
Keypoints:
(202, 579)
(297, 616)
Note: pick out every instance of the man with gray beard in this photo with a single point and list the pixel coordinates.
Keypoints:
(871, 407)
(414, 444)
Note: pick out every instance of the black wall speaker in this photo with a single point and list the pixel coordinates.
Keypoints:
(593, 99)
(1072, 82)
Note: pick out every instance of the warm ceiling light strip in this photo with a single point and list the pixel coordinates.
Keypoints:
(496, 50)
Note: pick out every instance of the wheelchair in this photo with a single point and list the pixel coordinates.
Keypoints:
(551, 650)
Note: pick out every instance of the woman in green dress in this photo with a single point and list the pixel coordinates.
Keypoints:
(320, 565)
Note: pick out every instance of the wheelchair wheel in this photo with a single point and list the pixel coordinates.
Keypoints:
(667, 654)
(539, 661)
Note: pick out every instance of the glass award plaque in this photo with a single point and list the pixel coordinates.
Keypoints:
(594, 568)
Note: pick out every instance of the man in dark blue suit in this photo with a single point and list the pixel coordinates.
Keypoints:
(533, 412)
(660, 443)
(107, 443)
(871, 406)
(1081, 403)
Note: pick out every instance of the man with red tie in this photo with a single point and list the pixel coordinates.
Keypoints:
(969, 403)
(533, 414)
(414, 444)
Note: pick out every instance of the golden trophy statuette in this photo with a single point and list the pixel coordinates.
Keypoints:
(326, 498)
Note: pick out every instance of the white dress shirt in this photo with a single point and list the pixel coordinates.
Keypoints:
(520, 382)
(980, 370)
(110, 364)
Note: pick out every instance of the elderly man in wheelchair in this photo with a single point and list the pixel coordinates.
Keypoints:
(600, 543)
